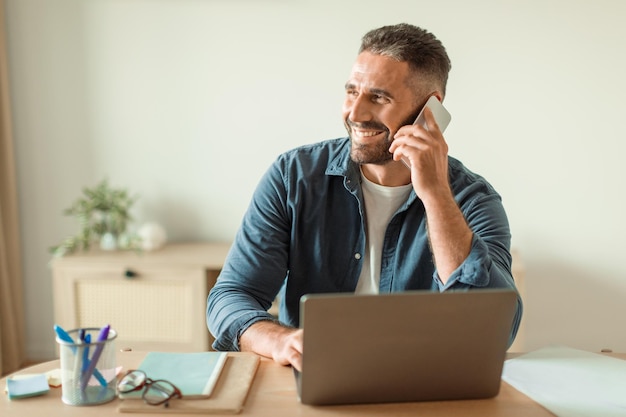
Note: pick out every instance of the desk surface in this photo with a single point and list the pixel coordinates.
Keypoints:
(273, 393)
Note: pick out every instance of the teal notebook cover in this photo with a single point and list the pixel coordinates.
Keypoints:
(194, 374)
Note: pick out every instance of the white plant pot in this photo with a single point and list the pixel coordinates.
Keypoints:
(108, 241)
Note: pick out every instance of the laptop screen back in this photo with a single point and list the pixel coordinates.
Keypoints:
(409, 346)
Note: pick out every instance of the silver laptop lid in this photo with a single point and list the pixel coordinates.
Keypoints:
(409, 346)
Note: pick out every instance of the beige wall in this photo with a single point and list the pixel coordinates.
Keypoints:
(186, 102)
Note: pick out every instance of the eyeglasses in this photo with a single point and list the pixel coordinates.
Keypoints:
(156, 392)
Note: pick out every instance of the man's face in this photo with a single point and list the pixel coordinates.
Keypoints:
(378, 102)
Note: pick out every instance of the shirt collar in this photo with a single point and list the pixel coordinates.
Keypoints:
(342, 165)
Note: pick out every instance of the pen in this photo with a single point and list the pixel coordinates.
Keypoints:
(64, 336)
(86, 340)
(96, 373)
(85, 349)
(102, 337)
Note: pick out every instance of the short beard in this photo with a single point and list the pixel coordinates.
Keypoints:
(377, 153)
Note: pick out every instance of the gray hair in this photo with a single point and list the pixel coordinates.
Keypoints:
(425, 54)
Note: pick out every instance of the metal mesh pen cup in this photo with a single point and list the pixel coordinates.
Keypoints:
(88, 374)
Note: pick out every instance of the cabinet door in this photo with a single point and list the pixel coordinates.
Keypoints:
(158, 308)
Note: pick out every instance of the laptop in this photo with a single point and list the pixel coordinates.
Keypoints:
(408, 346)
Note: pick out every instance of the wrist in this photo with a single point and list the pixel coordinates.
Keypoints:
(263, 337)
(438, 200)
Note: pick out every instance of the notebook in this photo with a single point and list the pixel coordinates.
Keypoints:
(228, 396)
(193, 373)
(409, 346)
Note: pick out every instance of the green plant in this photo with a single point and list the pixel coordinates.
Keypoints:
(102, 211)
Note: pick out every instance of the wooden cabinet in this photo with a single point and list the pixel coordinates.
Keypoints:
(155, 300)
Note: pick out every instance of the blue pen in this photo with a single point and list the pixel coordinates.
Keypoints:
(102, 337)
(83, 340)
(64, 336)
(96, 373)
(86, 340)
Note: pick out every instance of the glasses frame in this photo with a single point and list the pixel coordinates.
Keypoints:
(147, 382)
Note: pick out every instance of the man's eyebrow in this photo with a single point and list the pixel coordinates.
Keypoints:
(381, 92)
(375, 91)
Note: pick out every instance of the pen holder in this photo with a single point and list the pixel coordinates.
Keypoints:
(88, 374)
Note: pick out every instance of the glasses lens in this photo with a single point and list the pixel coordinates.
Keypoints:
(159, 392)
(131, 382)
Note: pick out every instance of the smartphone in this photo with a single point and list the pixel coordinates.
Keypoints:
(442, 117)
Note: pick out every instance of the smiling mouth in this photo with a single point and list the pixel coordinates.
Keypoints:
(366, 133)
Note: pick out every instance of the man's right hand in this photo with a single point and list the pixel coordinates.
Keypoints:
(272, 340)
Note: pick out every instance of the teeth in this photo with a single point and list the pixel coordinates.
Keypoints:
(366, 134)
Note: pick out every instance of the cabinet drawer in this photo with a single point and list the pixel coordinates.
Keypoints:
(157, 308)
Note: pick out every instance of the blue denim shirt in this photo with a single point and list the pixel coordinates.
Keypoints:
(304, 232)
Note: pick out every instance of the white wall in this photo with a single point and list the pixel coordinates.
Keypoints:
(186, 102)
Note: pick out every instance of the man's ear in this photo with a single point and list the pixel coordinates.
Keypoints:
(439, 95)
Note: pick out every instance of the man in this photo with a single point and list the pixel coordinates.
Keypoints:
(347, 215)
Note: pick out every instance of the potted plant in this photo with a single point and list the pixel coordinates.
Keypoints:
(103, 213)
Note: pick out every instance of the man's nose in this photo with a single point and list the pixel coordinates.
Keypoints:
(360, 109)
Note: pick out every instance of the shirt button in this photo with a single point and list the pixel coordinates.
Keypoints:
(357, 256)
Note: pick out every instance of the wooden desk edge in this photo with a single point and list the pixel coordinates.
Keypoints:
(273, 393)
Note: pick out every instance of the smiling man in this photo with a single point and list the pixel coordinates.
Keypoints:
(347, 215)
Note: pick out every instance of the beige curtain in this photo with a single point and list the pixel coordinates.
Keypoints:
(11, 305)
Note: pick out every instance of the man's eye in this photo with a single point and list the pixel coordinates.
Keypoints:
(377, 98)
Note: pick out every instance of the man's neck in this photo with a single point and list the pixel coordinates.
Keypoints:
(391, 174)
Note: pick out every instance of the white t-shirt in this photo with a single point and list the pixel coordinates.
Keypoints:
(380, 205)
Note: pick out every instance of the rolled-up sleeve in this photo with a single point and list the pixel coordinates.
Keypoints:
(255, 267)
(488, 264)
